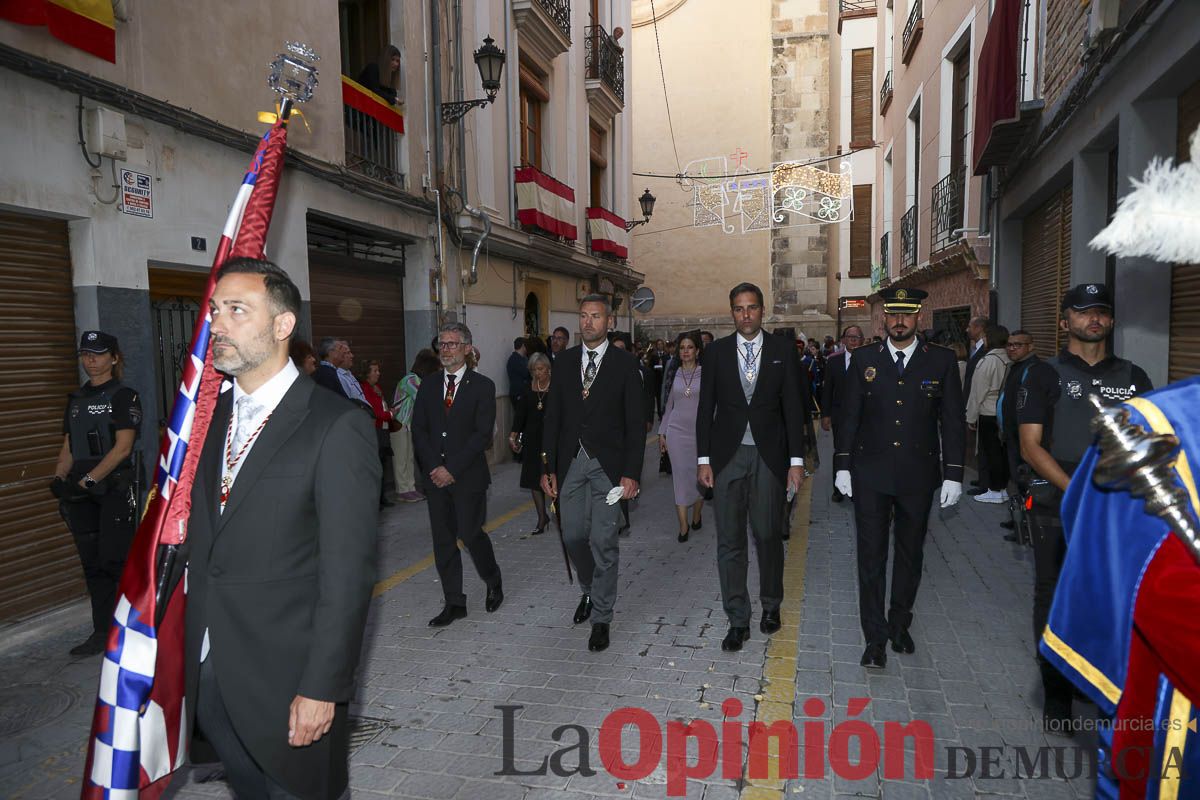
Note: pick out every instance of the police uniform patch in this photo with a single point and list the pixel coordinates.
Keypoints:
(901, 294)
(869, 374)
(1074, 390)
(1022, 394)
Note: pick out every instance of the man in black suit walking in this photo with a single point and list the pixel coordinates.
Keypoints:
(750, 445)
(594, 441)
(902, 437)
(833, 390)
(453, 418)
(281, 552)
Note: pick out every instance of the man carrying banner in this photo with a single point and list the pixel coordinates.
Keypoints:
(282, 552)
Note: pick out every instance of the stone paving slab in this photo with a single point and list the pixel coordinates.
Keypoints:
(439, 701)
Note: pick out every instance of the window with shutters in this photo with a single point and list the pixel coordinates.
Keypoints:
(1046, 271)
(860, 233)
(862, 94)
(598, 163)
(533, 100)
(1183, 357)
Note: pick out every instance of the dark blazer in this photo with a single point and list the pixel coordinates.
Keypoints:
(775, 412)
(833, 390)
(610, 422)
(326, 375)
(901, 435)
(282, 580)
(457, 440)
(972, 362)
(518, 375)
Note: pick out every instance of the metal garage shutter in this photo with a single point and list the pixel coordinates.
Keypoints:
(1046, 270)
(1183, 359)
(38, 565)
(364, 302)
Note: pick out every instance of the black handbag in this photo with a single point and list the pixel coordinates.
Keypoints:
(664, 463)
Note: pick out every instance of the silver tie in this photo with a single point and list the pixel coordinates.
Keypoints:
(247, 410)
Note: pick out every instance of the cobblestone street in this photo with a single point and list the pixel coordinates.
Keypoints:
(432, 703)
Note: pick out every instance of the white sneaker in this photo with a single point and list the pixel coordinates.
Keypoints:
(991, 497)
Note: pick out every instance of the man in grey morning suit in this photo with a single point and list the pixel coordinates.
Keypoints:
(750, 445)
(593, 440)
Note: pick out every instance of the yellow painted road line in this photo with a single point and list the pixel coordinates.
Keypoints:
(779, 672)
(400, 576)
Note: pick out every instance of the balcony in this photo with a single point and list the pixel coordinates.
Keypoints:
(908, 240)
(885, 255)
(545, 28)
(607, 236)
(1009, 110)
(855, 9)
(544, 205)
(946, 215)
(912, 32)
(373, 129)
(604, 72)
(885, 93)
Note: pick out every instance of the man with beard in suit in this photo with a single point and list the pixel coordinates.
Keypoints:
(281, 552)
(902, 437)
(834, 388)
(750, 446)
(594, 441)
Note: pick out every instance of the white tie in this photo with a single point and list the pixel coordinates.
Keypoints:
(247, 410)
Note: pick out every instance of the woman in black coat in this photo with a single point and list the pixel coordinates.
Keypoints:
(526, 435)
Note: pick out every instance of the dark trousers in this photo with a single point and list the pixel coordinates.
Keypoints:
(873, 513)
(746, 488)
(102, 528)
(456, 514)
(1049, 550)
(245, 777)
(993, 459)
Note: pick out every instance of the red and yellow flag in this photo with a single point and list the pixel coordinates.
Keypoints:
(88, 25)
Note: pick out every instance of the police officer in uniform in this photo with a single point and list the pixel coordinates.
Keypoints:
(94, 478)
(901, 439)
(1054, 416)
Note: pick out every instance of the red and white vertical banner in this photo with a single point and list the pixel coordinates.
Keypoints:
(545, 203)
(608, 232)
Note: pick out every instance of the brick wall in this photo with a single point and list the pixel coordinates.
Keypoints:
(950, 291)
(1066, 27)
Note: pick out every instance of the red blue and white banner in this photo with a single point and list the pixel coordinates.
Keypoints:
(362, 99)
(138, 730)
(545, 203)
(608, 232)
(88, 25)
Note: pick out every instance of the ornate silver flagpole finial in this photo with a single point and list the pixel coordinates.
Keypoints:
(294, 75)
(1143, 463)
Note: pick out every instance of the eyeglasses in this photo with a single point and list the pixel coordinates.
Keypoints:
(852, 338)
(449, 345)
(1019, 344)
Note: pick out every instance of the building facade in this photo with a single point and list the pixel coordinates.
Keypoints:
(729, 89)
(119, 171)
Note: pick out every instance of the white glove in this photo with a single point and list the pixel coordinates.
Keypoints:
(614, 495)
(951, 491)
(841, 482)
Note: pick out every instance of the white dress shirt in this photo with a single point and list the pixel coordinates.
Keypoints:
(583, 358)
(908, 351)
(458, 376)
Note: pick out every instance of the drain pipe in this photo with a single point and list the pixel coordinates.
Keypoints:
(487, 231)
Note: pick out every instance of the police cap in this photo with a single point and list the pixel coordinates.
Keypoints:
(902, 300)
(1087, 295)
(97, 342)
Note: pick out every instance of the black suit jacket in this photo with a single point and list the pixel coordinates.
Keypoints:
(282, 579)
(457, 440)
(775, 412)
(833, 390)
(610, 422)
(327, 376)
(901, 435)
(972, 362)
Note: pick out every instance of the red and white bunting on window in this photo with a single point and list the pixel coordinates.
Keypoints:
(545, 203)
(608, 232)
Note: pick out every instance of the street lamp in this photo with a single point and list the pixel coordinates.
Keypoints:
(646, 201)
(489, 59)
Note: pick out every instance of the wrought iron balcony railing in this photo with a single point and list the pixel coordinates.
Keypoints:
(373, 139)
(604, 60)
(947, 209)
(560, 12)
(908, 239)
(885, 254)
(885, 93)
(912, 30)
(856, 7)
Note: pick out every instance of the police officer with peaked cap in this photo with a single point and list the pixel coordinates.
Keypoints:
(900, 443)
(1054, 418)
(94, 477)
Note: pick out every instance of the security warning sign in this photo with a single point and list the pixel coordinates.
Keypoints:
(136, 194)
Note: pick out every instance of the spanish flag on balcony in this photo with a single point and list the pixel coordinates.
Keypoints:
(88, 25)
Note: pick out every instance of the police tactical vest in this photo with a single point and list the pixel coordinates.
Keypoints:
(1072, 433)
(89, 418)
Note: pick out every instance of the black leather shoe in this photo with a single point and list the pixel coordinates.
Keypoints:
(584, 610)
(903, 643)
(541, 528)
(599, 639)
(874, 657)
(494, 598)
(448, 615)
(697, 523)
(770, 622)
(1011, 537)
(92, 646)
(733, 640)
(683, 536)
(1008, 524)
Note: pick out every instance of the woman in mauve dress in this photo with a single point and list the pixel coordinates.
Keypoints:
(677, 431)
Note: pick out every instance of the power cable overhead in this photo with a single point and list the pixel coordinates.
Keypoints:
(666, 100)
